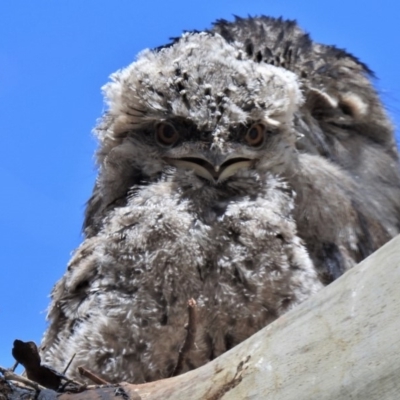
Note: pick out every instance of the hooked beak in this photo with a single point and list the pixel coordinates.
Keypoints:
(214, 173)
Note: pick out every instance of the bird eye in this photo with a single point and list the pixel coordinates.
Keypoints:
(166, 134)
(255, 135)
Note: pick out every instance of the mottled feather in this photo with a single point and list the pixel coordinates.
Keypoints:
(245, 167)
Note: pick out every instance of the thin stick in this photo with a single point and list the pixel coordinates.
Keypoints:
(14, 367)
(70, 361)
(9, 375)
(78, 386)
(190, 336)
(90, 375)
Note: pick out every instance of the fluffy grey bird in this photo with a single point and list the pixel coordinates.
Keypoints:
(244, 167)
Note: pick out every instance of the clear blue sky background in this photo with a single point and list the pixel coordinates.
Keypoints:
(54, 57)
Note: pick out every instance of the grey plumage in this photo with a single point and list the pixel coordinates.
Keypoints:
(245, 167)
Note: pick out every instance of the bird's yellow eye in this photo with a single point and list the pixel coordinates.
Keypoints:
(166, 134)
(255, 136)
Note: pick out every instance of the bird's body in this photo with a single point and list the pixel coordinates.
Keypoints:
(223, 178)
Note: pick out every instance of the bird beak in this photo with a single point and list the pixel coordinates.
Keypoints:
(214, 172)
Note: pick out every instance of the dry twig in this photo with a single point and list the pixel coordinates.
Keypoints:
(14, 367)
(27, 354)
(90, 375)
(9, 375)
(70, 361)
(190, 337)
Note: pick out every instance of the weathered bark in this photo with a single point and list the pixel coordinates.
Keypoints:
(343, 343)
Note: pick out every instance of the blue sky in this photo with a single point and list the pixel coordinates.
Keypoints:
(54, 57)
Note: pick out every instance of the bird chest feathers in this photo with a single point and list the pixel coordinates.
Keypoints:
(134, 278)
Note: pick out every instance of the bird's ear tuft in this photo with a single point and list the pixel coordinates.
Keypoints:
(353, 105)
(317, 100)
(349, 103)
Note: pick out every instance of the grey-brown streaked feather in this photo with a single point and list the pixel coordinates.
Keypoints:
(248, 230)
(342, 120)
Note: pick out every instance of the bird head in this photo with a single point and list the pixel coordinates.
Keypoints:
(199, 105)
(198, 112)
